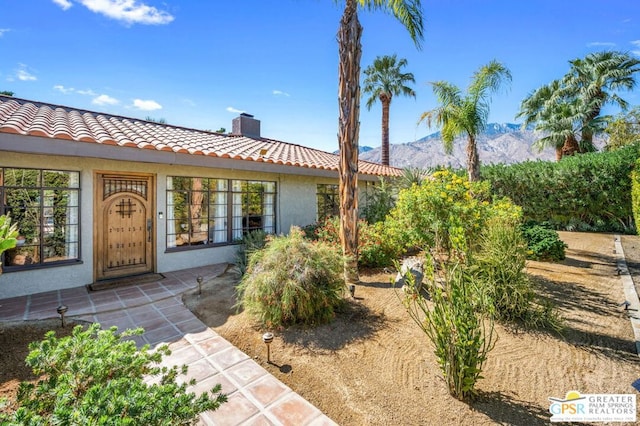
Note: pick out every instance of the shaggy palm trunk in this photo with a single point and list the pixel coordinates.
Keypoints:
(473, 161)
(570, 146)
(385, 100)
(350, 51)
(558, 153)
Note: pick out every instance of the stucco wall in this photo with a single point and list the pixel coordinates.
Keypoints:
(296, 205)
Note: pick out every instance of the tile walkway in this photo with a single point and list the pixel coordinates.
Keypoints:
(255, 397)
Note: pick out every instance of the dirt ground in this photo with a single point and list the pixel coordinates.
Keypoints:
(373, 366)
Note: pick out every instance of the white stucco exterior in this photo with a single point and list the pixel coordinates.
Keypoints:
(295, 202)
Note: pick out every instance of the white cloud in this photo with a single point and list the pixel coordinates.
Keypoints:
(4, 30)
(24, 75)
(280, 93)
(601, 44)
(232, 109)
(87, 92)
(636, 43)
(129, 11)
(105, 100)
(64, 4)
(63, 89)
(146, 105)
(188, 102)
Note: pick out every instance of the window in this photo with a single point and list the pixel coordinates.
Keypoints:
(253, 207)
(328, 201)
(45, 206)
(199, 210)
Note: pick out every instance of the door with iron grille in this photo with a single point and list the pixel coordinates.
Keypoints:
(125, 229)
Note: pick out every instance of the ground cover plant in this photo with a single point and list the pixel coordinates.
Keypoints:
(543, 243)
(97, 377)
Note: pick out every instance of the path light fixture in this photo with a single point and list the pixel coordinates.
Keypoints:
(199, 280)
(267, 338)
(62, 309)
(352, 290)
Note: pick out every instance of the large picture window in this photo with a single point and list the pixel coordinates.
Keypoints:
(45, 206)
(204, 211)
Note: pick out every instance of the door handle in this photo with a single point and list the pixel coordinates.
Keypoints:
(149, 229)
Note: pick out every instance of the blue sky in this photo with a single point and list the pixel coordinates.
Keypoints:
(198, 63)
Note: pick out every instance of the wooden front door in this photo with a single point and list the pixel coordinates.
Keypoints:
(124, 225)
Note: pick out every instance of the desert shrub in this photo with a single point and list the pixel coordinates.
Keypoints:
(543, 243)
(97, 377)
(293, 280)
(251, 242)
(380, 200)
(499, 268)
(446, 212)
(378, 244)
(462, 334)
(588, 192)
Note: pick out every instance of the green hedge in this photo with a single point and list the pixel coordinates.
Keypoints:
(588, 192)
(635, 192)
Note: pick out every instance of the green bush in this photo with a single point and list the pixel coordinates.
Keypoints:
(543, 243)
(380, 200)
(96, 377)
(446, 212)
(251, 242)
(461, 332)
(588, 192)
(378, 245)
(8, 234)
(635, 194)
(293, 280)
(499, 268)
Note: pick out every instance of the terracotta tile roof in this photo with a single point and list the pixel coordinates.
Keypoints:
(23, 117)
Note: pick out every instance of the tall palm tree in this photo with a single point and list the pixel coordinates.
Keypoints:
(595, 78)
(384, 80)
(409, 13)
(466, 114)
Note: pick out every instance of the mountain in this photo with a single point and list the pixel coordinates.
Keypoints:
(504, 143)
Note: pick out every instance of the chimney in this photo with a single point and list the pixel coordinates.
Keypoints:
(246, 125)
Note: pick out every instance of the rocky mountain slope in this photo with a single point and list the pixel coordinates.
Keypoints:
(501, 143)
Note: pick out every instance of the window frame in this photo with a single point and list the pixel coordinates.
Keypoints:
(214, 207)
(45, 221)
(322, 191)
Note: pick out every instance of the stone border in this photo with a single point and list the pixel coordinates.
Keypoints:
(630, 293)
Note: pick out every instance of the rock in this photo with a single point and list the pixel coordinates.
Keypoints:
(415, 267)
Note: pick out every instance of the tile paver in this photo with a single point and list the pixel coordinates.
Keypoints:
(255, 396)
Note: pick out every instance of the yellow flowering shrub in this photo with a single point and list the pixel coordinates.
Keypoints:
(447, 212)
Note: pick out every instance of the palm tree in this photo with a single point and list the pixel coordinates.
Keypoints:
(384, 80)
(409, 13)
(554, 114)
(595, 78)
(467, 114)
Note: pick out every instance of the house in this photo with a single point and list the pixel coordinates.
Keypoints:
(98, 196)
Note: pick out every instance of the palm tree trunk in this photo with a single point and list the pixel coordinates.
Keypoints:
(350, 50)
(558, 153)
(570, 146)
(473, 161)
(386, 102)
